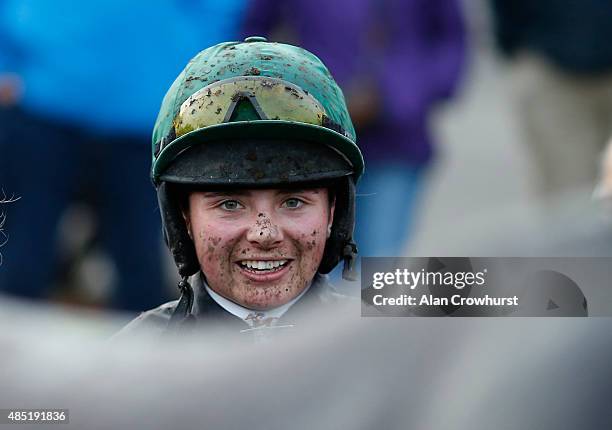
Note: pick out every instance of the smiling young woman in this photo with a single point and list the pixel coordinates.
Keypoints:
(255, 165)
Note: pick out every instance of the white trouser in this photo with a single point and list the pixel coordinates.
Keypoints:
(566, 120)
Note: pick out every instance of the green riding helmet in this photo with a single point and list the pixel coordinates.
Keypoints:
(255, 114)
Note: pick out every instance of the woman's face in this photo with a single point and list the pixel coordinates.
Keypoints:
(260, 248)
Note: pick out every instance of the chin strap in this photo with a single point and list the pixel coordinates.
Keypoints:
(182, 315)
(349, 254)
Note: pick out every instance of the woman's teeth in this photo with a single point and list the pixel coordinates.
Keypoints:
(263, 265)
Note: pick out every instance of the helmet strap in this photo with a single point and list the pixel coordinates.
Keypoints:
(349, 254)
(182, 315)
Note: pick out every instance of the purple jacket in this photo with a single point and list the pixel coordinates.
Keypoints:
(412, 50)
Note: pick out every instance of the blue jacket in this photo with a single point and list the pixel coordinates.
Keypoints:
(575, 35)
(106, 65)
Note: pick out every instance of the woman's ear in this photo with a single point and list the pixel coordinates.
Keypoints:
(186, 215)
(332, 208)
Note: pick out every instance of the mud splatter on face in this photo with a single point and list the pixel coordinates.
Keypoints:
(262, 230)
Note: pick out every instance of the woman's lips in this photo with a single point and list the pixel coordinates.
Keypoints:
(264, 276)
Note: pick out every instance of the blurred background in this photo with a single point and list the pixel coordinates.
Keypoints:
(484, 125)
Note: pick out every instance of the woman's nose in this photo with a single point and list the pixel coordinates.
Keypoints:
(264, 232)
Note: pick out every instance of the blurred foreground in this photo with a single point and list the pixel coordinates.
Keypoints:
(331, 372)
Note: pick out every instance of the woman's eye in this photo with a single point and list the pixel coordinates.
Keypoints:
(231, 205)
(293, 203)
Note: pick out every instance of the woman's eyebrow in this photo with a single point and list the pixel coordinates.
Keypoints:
(297, 191)
(232, 193)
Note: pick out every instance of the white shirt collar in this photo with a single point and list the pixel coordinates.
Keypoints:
(251, 316)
